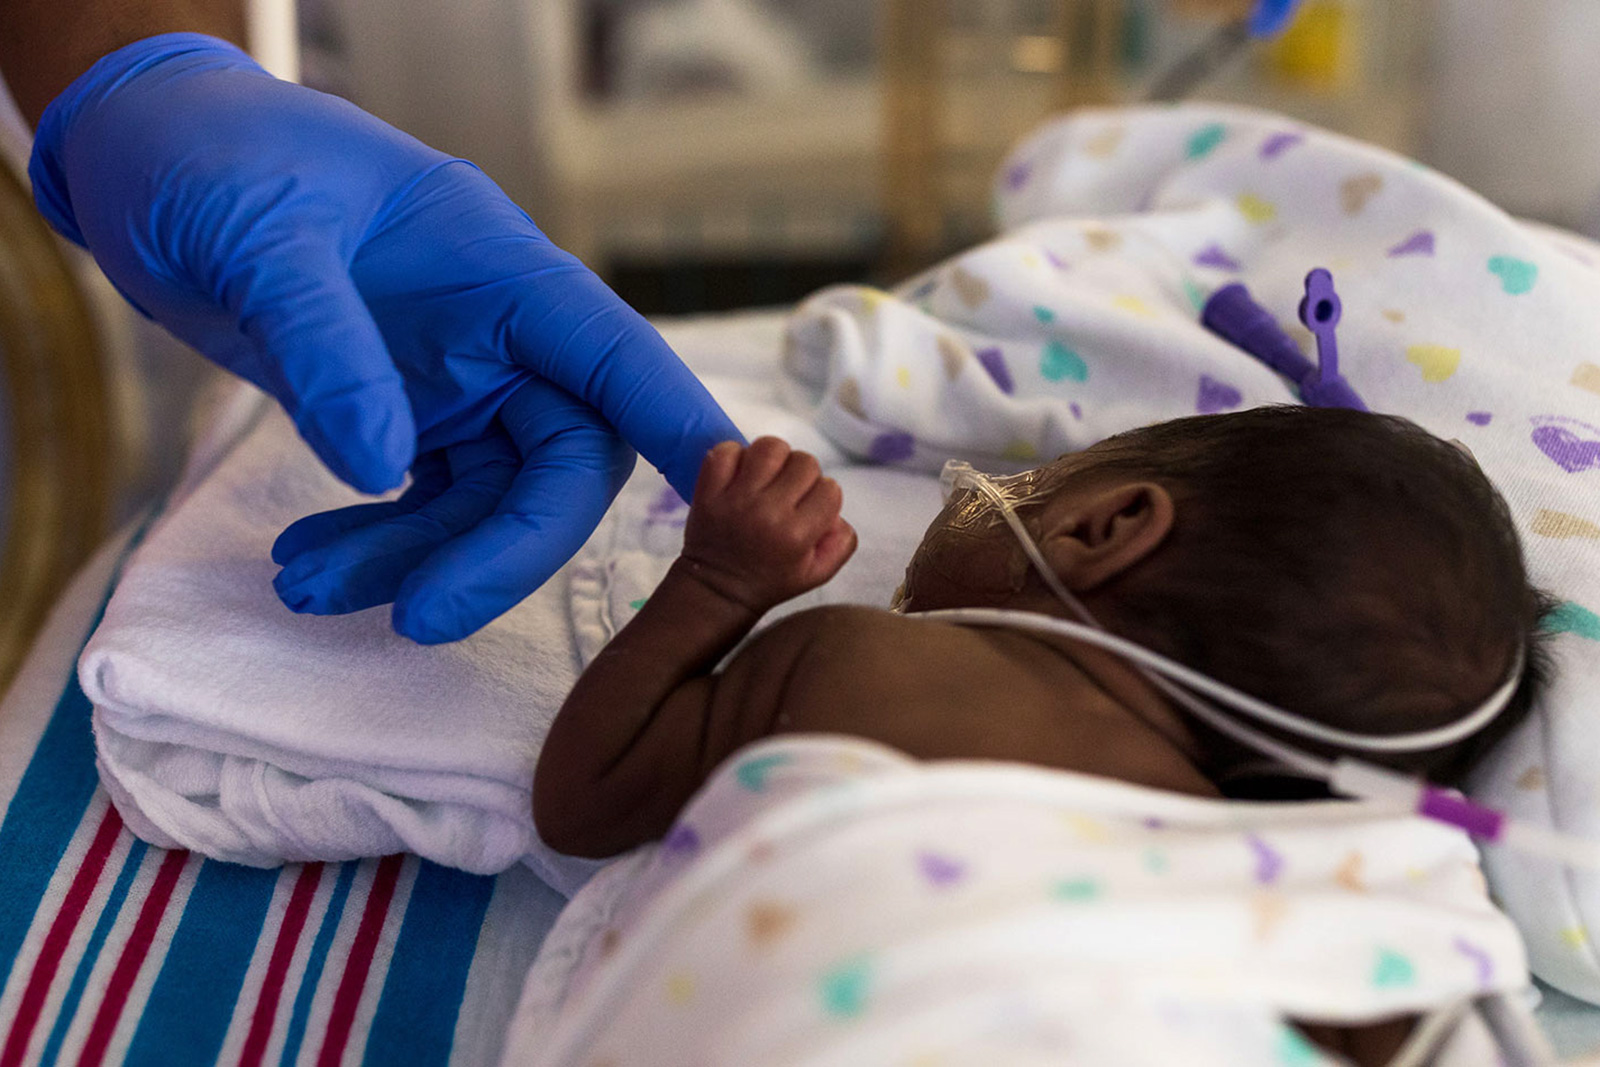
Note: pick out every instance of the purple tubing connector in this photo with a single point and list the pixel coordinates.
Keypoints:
(1447, 807)
(1233, 315)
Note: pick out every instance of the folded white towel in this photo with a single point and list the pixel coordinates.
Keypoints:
(226, 724)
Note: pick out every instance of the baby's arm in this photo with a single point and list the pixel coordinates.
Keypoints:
(636, 737)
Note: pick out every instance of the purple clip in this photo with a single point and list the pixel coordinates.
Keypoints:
(1320, 312)
(1234, 316)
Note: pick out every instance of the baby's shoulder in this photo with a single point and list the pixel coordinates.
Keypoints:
(861, 635)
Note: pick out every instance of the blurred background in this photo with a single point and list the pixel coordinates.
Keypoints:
(705, 155)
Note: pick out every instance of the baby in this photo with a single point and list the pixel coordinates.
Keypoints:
(1346, 566)
(1349, 567)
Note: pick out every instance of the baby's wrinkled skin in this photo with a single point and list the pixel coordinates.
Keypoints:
(652, 717)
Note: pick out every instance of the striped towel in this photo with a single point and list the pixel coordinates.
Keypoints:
(112, 951)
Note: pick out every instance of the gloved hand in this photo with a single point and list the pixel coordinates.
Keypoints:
(397, 305)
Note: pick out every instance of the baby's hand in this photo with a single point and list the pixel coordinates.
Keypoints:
(764, 525)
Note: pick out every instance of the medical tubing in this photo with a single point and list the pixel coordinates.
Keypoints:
(1148, 663)
(1345, 775)
(1418, 741)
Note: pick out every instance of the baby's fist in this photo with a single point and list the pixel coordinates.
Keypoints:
(764, 525)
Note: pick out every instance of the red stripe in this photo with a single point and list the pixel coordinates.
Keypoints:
(343, 1014)
(55, 942)
(132, 958)
(294, 921)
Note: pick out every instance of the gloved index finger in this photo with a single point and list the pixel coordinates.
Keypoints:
(572, 329)
(572, 466)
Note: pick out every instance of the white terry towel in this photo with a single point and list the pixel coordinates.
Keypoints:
(228, 725)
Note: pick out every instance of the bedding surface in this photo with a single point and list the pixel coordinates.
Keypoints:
(826, 900)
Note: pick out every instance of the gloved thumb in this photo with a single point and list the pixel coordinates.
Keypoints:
(325, 361)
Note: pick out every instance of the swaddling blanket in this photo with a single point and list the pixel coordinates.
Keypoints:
(1083, 321)
(826, 900)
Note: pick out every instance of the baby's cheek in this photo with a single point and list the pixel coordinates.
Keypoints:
(953, 569)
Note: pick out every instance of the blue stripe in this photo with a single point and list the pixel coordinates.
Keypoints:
(315, 962)
(416, 1018)
(91, 952)
(49, 803)
(192, 1002)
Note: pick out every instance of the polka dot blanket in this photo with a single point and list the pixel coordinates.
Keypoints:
(1082, 320)
(826, 900)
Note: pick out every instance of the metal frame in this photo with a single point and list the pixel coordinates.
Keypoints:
(52, 374)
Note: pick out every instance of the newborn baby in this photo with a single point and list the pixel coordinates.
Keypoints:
(1349, 567)
(1346, 566)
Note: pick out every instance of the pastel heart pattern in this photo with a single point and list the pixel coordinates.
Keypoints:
(1018, 175)
(1587, 377)
(1571, 618)
(849, 397)
(1279, 143)
(1105, 143)
(1269, 908)
(897, 446)
(1080, 890)
(753, 773)
(1216, 396)
(1214, 256)
(1517, 276)
(1357, 191)
(1482, 963)
(939, 870)
(1420, 243)
(973, 290)
(1060, 363)
(1391, 969)
(844, 988)
(1349, 873)
(1205, 140)
(765, 922)
(953, 354)
(1574, 451)
(993, 361)
(1437, 362)
(1561, 526)
(1269, 861)
(1102, 240)
(1255, 209)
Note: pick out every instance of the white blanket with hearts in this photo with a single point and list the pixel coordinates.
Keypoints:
(1082, 320)
(829, 901)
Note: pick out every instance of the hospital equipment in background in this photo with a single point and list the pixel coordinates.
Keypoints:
(871, 156)
(57, 465)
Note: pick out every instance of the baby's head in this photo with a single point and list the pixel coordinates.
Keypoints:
(1349, 567)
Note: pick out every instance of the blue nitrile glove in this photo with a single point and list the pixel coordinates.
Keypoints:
(1271, 17)
(396, 303)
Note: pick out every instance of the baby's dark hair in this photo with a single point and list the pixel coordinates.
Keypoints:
(1350, 567)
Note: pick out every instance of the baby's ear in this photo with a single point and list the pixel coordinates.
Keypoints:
(1093, 535)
